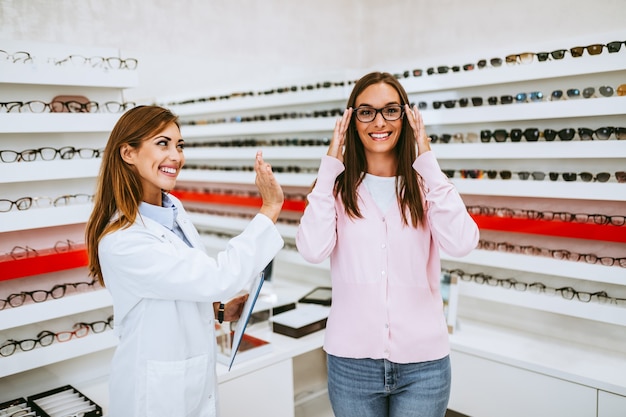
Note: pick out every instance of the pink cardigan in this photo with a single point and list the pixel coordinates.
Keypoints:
(385, 276)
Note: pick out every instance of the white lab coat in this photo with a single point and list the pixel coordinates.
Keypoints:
(163, 293)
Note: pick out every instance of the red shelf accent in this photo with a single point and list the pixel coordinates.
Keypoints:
(588, 231)
(45, 262)
(234, 200)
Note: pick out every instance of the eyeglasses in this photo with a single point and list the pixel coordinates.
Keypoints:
(614, 46)
(44, 338)
(15, 57)
(558, 54)
(560, 254)
(38, 106)
(523, 58)
(602, 133)
(535, 96)
(605, 91)
(495, 62)
(602, 219)
(506, 99)
(64, 336)
(98, 326)
(23, 203)
(366, 114)
(563, 134)
(442, 70)
(571, 93)
(22, 252)
(585, 176)
(38, 296)
(448, 104)
(476, 101)
(595, 49)
(100, 62)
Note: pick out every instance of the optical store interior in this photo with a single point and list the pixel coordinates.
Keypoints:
(525, 103)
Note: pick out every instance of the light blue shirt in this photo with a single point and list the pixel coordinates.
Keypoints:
(165, 215)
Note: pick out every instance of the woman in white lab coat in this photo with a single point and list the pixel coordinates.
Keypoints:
(165, 288)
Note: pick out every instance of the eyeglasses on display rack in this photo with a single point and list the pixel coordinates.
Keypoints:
(533, 134)
(523, 58)
(567, 293)
(49, 154)
(26, 203)
(99, 62)
(366, 114)
(39, 296)
(594, 49)
(38, 106)
(601, 219)
(494, 62)
(15, 57)
(560, 254)
(44, 338)
(98, 326)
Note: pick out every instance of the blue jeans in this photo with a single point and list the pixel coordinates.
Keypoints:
(379, 388)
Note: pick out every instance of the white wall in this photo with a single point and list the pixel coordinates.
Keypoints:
(189, 46)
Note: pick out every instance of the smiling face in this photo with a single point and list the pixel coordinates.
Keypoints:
(380, 136)
(157, 161)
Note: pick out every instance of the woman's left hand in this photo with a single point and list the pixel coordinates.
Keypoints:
(417, 123)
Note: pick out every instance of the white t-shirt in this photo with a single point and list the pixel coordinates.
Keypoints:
(382, 189)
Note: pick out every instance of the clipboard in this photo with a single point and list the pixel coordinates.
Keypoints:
(240, 328)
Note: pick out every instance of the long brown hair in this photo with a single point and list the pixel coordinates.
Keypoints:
(118, 189)
(408, 191)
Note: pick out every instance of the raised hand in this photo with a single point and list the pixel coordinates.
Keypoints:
(271, 191)
(415, 120)
(339, 135)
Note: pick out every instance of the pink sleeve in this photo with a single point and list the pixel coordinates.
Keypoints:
(453, 228)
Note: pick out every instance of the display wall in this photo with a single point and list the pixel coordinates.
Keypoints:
(547, 345)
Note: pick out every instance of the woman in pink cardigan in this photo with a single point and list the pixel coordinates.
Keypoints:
(382, 209)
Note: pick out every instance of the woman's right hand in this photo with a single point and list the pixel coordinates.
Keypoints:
(270, 190)
(339, 135)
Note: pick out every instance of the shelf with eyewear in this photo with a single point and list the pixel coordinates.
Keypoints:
(511, 73)
(57, 352)
(43, 63)
(606, 313)
(540, 264)
(52, 309)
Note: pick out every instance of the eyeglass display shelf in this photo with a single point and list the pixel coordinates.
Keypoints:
(546, 110)
(332, 96)
(49, 74)
(67, 305)
(514, 188)
(546, 189)
(57, 169)
(578, 230)
(566, 67)
(236, 200)
(593, 367)
(593, 149)
(542, 265)
(57, 122)
(37, 218)
(57, 352)
(45, 262)
(606, 313)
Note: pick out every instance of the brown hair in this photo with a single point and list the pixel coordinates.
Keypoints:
(118, 190)
(408, 190)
